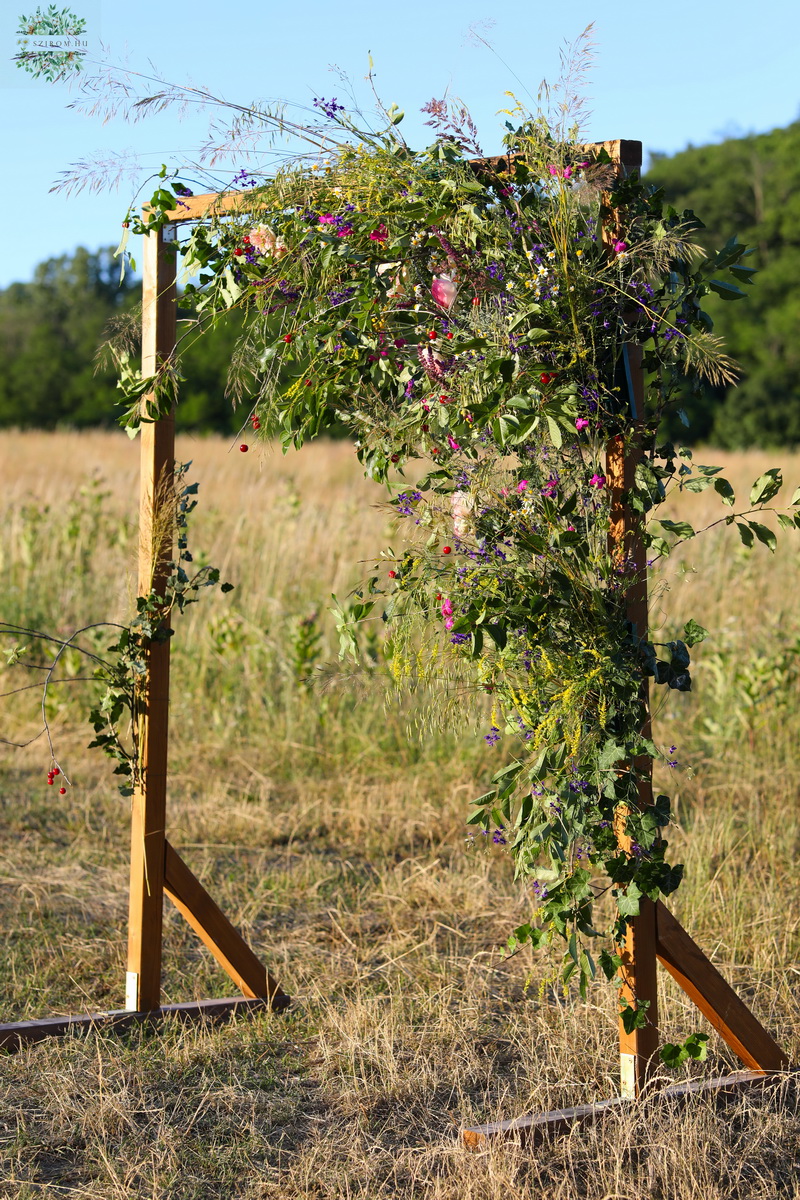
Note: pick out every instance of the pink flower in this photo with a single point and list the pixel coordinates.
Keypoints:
(504, 492)
(620, 247)
(444, 291)
(447, 613)
(581, 423)
(462, 504)
(327, 219)
(452, 443)
(597, 481)
(522, 486)
(380, 234)
(265, 242)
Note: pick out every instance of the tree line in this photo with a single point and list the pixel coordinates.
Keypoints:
(51, 327)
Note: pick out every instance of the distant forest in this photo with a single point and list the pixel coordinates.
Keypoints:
(50, 328)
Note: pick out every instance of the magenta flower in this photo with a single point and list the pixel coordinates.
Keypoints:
(452, 443)
(444, 291)
(380, 234)
(447, 613)
(620, 247)
(597, 481)
(522, 486)
(327, 219)
(581, 423)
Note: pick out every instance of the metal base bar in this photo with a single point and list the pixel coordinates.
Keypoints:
(533, 1129)
(20, 1033)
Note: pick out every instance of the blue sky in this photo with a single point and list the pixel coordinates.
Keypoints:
(663, 77)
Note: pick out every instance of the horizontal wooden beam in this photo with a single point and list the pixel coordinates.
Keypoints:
(532, 1129)
(20, 1033)
(714, 996)
(218, 204)
(210, 204)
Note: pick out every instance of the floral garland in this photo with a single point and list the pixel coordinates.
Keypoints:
(479, 314)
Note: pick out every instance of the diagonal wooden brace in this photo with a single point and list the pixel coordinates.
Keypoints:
(216, 932)
(715, 998)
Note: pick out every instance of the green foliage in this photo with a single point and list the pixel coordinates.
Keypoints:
(749, 186)
(484, 320)
(695, 1047)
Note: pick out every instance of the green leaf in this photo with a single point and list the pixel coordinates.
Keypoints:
(745, 533)
(695, 1047)
(698, 485)
(796, 497)
(681, 528)
(724, 489)
(764, 535)
(628, 901)
(728, 291)
(555, 432)
(766, 486)
(694, 633)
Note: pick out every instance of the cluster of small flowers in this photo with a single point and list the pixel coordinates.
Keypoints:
(329, 107)
(244, 179)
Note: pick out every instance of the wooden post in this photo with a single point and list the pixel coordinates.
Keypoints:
(156, 532)
(638, 972)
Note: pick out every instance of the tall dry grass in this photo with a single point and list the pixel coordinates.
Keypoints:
(335, 839)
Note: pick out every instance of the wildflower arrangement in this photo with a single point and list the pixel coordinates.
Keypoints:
(479, 318)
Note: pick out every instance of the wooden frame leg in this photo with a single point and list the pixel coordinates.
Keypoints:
(715, 998)
(638, 1049)
(217, 933)
(156, 525)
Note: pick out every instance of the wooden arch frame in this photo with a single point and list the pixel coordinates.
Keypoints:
(156, 868)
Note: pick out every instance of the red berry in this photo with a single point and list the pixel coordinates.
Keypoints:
(475, 300)
(238, 251)
(449, 335)
(395, 458)
(435, 450)
(308, 383)
(432, 333)
(446, 549)
(393, 574)
(56, 771)
(287, 337)
(425, 428)
(50, 781)
(62, 791)
(244, 447)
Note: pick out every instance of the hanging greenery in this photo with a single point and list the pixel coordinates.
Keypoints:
(481, 318)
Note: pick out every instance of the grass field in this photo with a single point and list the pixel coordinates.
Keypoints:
(329, 823)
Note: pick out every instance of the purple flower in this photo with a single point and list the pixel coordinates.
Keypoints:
(329, 107)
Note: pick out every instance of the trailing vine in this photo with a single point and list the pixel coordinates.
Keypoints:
(120, 669)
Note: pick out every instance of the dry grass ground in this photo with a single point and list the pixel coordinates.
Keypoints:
(335, 840)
